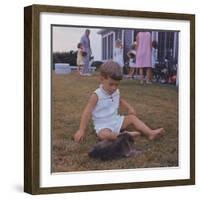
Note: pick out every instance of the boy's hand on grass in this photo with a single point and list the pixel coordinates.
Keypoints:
(78, 136)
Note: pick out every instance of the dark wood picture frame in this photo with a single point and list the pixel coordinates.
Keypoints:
(32, 96)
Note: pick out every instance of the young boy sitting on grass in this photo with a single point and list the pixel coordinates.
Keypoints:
(103, 106)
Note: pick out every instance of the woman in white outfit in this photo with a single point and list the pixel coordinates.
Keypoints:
(118, 53)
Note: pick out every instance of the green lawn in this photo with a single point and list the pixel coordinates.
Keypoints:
(156, 105)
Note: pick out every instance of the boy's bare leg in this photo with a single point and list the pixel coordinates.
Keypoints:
(142, 127)
(107, 134)
(132, 133)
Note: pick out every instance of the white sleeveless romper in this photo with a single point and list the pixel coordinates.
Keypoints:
(105, 113)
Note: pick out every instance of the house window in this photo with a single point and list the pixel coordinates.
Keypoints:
(165, 45)
(127, 42)
(118, 34)
(104, 49)
(110, 46)
(107, 50)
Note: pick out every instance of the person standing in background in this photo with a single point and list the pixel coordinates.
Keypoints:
(143, 55)
(154, 55)
(85, 41)
(118, 53)
(80, 58)
(132, 61)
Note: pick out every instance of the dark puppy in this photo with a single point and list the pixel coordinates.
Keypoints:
(108, 150)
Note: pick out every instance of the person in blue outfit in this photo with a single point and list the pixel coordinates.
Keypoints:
(85, 41)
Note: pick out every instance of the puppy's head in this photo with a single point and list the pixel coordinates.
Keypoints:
(127, 137)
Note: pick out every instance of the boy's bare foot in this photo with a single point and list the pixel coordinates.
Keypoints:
(157, 133)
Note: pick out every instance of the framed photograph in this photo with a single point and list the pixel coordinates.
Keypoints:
(81, 67)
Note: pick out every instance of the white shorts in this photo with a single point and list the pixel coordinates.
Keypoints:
(115, 126)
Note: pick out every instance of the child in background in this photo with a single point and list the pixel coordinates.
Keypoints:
(118, 53)
(132, 60)
(154, 53)
(80, 59)
(103, 106)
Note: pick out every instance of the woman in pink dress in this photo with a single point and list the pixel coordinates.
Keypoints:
(143, 54)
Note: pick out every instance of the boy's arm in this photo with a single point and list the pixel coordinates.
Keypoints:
(124, 104)
(86, 117)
